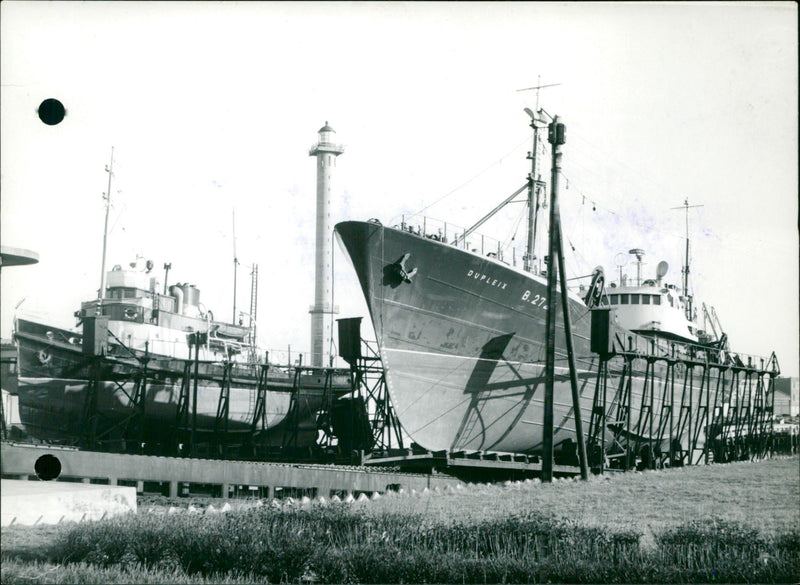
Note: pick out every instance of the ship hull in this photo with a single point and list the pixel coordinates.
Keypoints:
(55, 378)
(462, 340)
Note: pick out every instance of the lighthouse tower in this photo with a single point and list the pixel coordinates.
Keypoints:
(326, 152)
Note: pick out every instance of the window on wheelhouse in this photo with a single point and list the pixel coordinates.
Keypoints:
(634, 299)
(624, 299)
(656, 300)
(614, 299)
(646, 299)
(124, 293)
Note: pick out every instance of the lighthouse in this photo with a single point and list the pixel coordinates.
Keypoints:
(326, 152)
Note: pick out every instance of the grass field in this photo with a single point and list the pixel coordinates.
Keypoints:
(722, 523)
(762, 495)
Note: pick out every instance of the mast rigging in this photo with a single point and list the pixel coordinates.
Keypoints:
(533, 184)
(533, 178)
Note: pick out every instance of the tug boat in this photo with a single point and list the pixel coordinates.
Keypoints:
(132, 326)
(124, 381)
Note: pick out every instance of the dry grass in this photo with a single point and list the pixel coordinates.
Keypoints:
(762, 495)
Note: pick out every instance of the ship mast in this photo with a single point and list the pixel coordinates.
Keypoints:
(235, 264)
(534, 183)
(107, 196)
(685, 270)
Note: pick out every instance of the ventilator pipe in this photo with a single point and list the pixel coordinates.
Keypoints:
(177, 292)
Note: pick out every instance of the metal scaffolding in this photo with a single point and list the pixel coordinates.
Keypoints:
(369, 387)
(695, 404)
(655, 404)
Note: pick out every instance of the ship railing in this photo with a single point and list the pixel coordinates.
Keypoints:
(244, 358)
(70, 336)
(457, 236)
(696, 352)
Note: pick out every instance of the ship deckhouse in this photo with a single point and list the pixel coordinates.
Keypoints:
(138, 313)
(651, 307)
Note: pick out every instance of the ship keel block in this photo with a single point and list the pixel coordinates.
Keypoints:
(28, 503)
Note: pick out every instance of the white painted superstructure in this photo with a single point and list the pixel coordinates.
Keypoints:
(651, 306)
(651, 309)
(142, 318)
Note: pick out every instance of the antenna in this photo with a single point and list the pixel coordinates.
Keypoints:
(620, 260)
(167, 267)
(533, 178)
(685, 269)
(107, 196)
(235, 264)
(538, 87)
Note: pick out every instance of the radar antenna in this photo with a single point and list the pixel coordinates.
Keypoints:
(661, 270)
(639, 253)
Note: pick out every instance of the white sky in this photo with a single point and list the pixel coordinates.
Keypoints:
(214, 106)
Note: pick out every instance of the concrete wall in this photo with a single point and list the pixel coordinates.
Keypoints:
(45, 502)
(20, 460)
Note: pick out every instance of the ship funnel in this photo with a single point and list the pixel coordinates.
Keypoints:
(191, 300)
(177, 292)
(191, 294)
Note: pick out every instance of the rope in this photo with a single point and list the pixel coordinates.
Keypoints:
(498, 161)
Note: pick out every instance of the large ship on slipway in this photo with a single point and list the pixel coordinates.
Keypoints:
(462, 336)
(203, 375)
